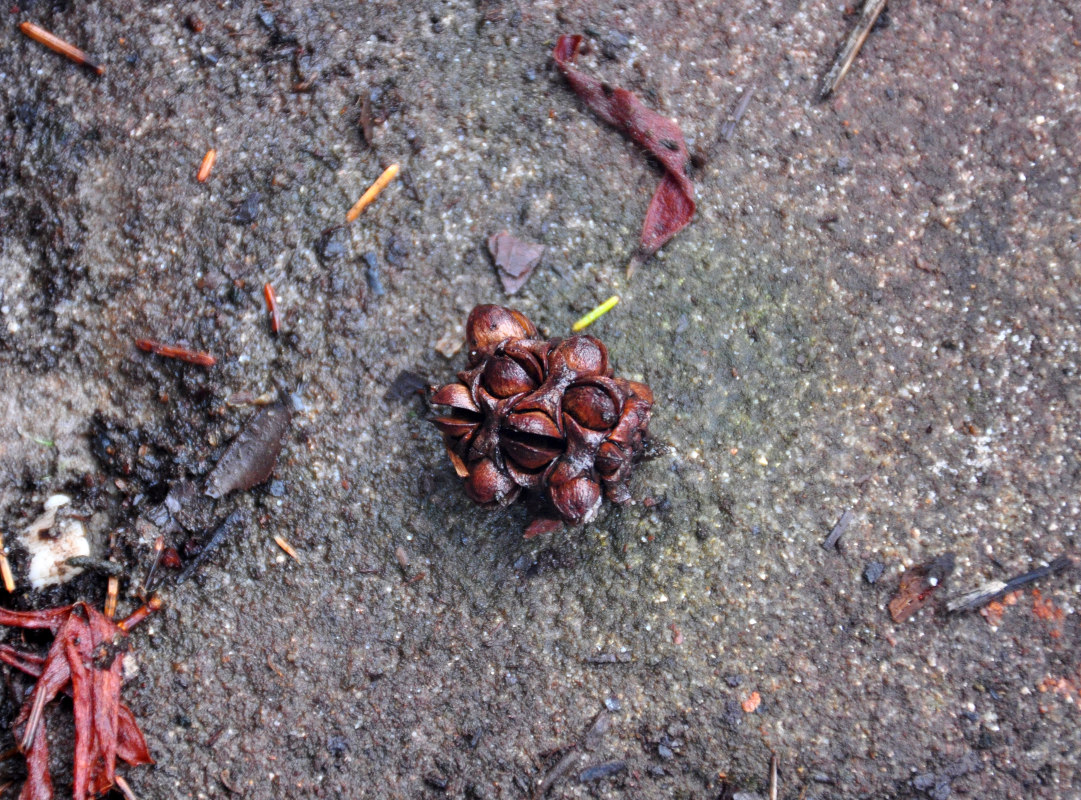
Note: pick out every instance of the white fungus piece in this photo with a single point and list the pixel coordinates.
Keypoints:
(51, 544)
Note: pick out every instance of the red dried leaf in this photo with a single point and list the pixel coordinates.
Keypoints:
(918, 584)
(672, 205)
(84, 662)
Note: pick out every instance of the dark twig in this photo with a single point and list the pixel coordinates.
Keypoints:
(574, 755)
(996, 589)
(234, 520)
(852, 45)
(839, 529)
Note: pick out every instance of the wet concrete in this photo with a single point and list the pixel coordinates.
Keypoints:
(874, 309)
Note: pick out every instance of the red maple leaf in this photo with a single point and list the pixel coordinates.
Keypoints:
(85, 662)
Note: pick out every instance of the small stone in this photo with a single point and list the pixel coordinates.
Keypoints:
(450, 343)
(247, 210)
(873, 571)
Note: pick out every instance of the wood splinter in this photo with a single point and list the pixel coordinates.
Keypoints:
(58, 45)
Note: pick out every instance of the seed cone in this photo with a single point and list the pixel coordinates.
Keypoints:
(541, 415)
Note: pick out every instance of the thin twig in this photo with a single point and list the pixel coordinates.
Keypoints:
(728, 127)
(996, 589)
(852, 45)
(839, 529)
(773, 776)
(220, 535)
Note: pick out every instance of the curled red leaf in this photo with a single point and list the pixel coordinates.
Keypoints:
(83, 662)
(672, 205)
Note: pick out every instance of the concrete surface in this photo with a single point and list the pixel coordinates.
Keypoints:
(875, 308)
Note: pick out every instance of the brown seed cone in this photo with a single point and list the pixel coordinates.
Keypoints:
(541, 415)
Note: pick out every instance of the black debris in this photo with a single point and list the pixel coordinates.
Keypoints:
(996, 589)
(375, 285)
(873, 571)
(396, 251)
(247, 210)
(839, 529)
(234, 521)
(406, 386)
(601, 771)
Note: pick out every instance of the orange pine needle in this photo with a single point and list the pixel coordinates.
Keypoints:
(272, 307)
(288, 548)
(207, 165)
(56, 44)
(172, 351)
(142, 612)
(110, 596)
(373, 192)
(5, 568)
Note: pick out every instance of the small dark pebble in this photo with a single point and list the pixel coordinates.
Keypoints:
(375, 285)
(601, 771)
(665, 752)
(406, 386)
(396, 251)
(158, 515)
(437, 783)
(247, 210)
(733, 680)
(330, 246)
(337, 745)
(873, 571)
(924, 782)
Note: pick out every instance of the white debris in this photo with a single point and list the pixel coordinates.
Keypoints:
(51, 544)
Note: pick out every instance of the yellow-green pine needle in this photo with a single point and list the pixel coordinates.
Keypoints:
(596, 313)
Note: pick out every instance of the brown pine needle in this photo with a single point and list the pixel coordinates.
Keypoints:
(373, 192)
(55, 43)
(110, 596)
(288, 548)
(207, 165)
